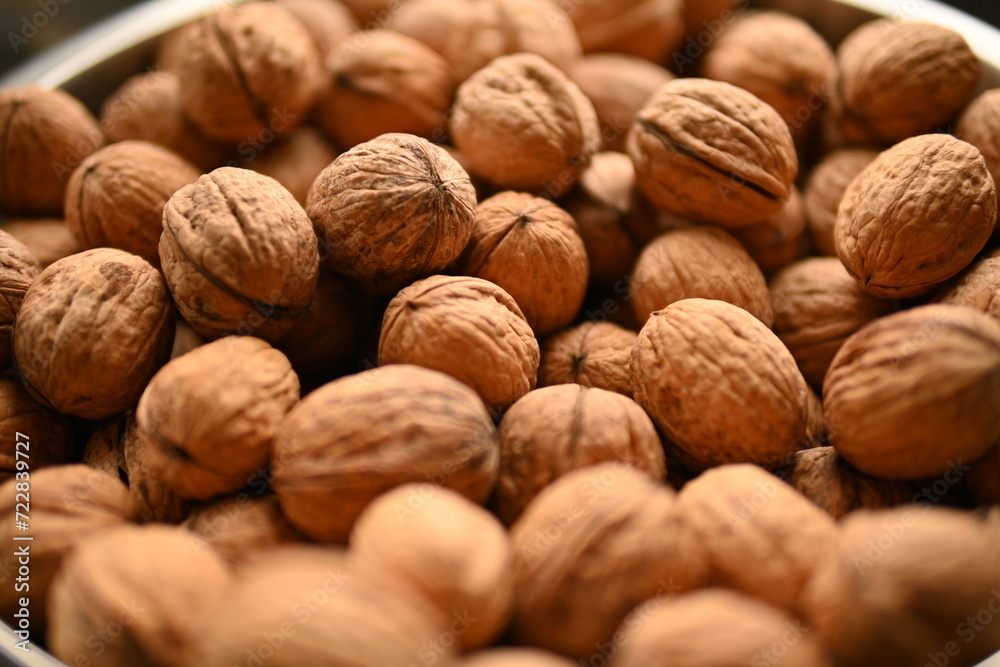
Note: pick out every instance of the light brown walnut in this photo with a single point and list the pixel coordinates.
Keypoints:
(827, 183)
(649, 29)
(592, 354)
(977, 287)
(296, 160)
(47, 239)
(780, 239)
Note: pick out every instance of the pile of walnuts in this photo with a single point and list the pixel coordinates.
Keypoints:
(499, 333)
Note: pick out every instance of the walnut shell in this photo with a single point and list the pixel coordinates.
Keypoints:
(779, 239)
(329, 23)
(18, 268)
(719, 385)
(392, 210)
(698, 262)
(466, 327)
(934, 373)
(47, 239)
(242, 526)
(421, 425)
(452, 551)
(826, 186)
(211, 415)
(977, 287)
(984, 478)
(46, 135)
(239, 254)
(524, 125)
(48, 434)
(979, 125)
(708, 17)
(916, 216)
(593, 354)
(592, 546)
(92, 331)
(296, 160)
(649, 29)
(515, 657)
(712, 152)
(532, 249)
(554, 430)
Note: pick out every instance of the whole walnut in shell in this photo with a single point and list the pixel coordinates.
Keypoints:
(827, 183)
(92, 331)
(979, 125)
(47, 239)
(239, 254)
(719, 385)
(296, 160)
(329, 22)
(18, 268)
(524, 125)
(242, 526)
(649, 29)
(45, 437)
(934, 372)
(466, 327)
(554, 430)
(916, 216)
(392, 210)
(977, 287)
(454, 552)
(211, 416)
(592, 354)
(420, 425)
(779, 239)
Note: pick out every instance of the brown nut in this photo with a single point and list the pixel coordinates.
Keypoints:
(92, 331)
(242, 526)
(712, 152)
(934, 372)
(977, 287)
(47, 239)
(592, 354)
(779, 239)
(239, 254)
(704, 18)
(984, 478)
(719, 385)
(979, 125)
(466, 327)
(916, 216)
(31, 436)
(649, 29)
(296, 160)
(211, 416)
(46, 135)
(827, 183)
(420, 425)
(524, 125)
(18, 268)
(554, 430)
(392, 210)
(329, 23)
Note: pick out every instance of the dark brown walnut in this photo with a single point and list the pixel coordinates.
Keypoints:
(466, 327)
(211, 416)
(934, 373)
(380, 81)
(524, 125)
(837, 487)
(916, 216)
(979, 125)
(762, 537)
(719, 385)
(515, 657)
(242, 526)
(827, 183)
(707, 17)
(45, 134)
(590, 548)
(18, 268)
(32, 437)
(296, 160)
(698, 262)
(900, 585)
(897, 79)
(716, 627)
(150, 584)
(392, 210)
(248, 72)
(554, 430)
(532, 249)
(780, 239)
(92, 331)
(649, 29)
(712, 152)
(472, 33)
(239, 254)
(779, 58)
(47, 239)
(817, 306)
(420, 426)
(592, 354)
(67, 504)
(978, 287)
(329, 23)
(452, 551)
(984, 479)
(369, 12)
(115, 198)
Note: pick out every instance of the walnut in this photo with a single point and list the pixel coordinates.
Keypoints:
(239, 254)
(934, 372)
(827, 183)
(979, 125)
(296, 160)
(698, 262)
(712, 152)
(554, 430)
(47, 239)
(466, 327)
(916, 216)
(719, 385)
(984, 478)
(392, 210)
(524, 125)
(115, 198)
(420, 425)
(762, 537)
(592, 546)
(515, 657)
(978, 287)
(452, 551)
(48, 435)
(618, 85)
(593, 354)
(779, 239)
(242, 526)
(211, 415)
(150, 583)
(329, 23)
(532, 249)
(649, 29)
(708, 17)
(817, 306)
(248, 72)
(18, 268)
(46, 134)
(91, 332)
(380, 81)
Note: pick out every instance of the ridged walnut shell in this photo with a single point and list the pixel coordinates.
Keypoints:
(18, 269)
(649, 29)
(50, 440)
(828, 181)
(242, 526)
(977, 287)
(979, 125)
(592, 354)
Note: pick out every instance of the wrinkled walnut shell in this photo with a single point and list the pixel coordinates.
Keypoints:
(977, 287)
(827, 183)
(18, 268)
(45, 436)
(979, 125)
(592, 354)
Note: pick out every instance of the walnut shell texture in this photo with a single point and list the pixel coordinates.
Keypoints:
(18, 268)
(241, 526)
(977, 287)
(591, 354)
(827, 183)
(50, 440)
(649, 29)
(979, 125)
